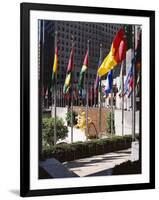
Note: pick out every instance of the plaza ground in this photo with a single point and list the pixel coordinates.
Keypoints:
(99, 165)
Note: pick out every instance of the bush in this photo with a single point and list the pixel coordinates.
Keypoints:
(68, 118)
(48, 131)
(76, 150)
(127, 168)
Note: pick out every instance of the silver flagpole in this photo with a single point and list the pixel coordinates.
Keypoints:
(72, 114)
(60, 95)
(112, 107)
(47, 97)
(122, 93)
(100, 108)
(42, 70)
(94, 97)
(100, 95)
(72, 85)
(134, 98)
(88, 42)
(41, 67)
(63, 104)
(54, 94)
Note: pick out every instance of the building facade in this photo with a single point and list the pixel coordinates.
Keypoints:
(97, 33)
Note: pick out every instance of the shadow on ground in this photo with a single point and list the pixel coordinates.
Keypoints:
(81, 163)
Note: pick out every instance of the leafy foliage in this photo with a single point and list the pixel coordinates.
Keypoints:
(48, 131)
(69, 119)
(76, 150)
(127, 167)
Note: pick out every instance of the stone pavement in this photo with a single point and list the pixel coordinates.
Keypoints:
(98, 165)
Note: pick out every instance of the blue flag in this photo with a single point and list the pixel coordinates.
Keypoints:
(109, 83)
(128, 80)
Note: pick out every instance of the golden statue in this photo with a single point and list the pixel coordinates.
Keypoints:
(81, 120)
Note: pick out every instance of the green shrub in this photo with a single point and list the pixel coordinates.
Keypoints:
(48, 131)
(68, 118)
(127, 167)
(76, 150)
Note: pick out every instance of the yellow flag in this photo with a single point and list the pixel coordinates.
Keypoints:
(116, 55)
(55, 64)
(54, 69)
(108, 64)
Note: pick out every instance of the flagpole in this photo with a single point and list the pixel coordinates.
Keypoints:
(42, 71)
(72, 80)
(100, 95)
(54, 95)
(88, 42)
(100, 107)
(91, 96)
(62, 96)
(134, 98)
(112, 107)
(41, 65)
(47, 97)
(122, 65)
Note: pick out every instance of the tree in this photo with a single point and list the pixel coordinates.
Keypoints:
(68, 118)
(48, 131)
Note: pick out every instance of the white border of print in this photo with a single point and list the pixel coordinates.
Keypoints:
(36, 183)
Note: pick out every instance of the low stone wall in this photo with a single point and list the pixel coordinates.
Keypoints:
(93, 113)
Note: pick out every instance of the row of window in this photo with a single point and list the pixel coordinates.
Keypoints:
(77, 25)
(68, 32)
(63, 76)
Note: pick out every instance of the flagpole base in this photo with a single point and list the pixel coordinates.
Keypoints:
(134, 151)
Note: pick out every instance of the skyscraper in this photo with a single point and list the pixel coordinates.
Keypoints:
(97, 33)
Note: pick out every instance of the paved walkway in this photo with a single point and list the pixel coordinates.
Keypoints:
(98, 165)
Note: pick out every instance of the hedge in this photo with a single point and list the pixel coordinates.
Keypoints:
(127, 168)
(77, 150)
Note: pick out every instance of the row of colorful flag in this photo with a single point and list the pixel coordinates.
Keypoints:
(116, 55)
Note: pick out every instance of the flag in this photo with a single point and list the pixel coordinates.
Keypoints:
(82, 72)
(68, 79)
(54, 70)
(128, 85)
(96, 85)
(138, 53)
(138, 64)
(116, 55)
(138, 85)
(109, 83)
